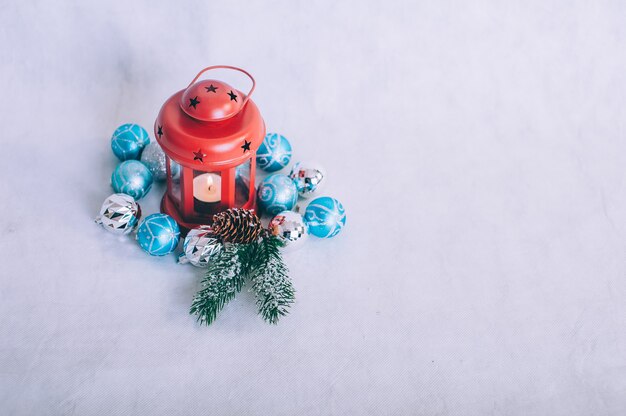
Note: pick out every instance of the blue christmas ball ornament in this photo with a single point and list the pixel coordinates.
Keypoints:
(132, 178)
(128, 141)
(274, 153)
(325, 217)
(277, 193)
(158, 234)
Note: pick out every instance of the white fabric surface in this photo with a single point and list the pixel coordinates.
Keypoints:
(478, 147)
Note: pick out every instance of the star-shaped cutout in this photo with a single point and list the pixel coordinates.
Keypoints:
(160, 131)
(211, 89)
(246, 146)
(233, 97)
(199, 155)
(193, 102)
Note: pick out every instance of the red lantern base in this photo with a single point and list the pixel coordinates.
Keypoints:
(168, 207)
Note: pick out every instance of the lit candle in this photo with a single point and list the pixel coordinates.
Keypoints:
(207, 187)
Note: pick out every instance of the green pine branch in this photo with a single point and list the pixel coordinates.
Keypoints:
(262, 263)
(248, 257)
(270, 280)
(221, 283)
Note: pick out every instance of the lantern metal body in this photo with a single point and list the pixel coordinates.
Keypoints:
(212, 131)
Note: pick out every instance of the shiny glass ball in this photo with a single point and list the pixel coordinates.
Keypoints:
(289, 226)
(274, 153)
(132, 178)
(119, 214)
(325, 217)
(308, 178)
(200, 247)
(154, 159)
(128, 141)
(276, 193)
(158, 234)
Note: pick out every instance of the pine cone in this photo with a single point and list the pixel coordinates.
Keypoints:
(237, 225)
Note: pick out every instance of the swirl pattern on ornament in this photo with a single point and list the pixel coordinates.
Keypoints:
(274, 153)
(325, 217)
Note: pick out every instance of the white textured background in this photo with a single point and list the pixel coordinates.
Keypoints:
(479, 148)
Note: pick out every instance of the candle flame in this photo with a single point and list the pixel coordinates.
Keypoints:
(209, 182)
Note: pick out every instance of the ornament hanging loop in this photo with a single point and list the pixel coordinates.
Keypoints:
(234, 68)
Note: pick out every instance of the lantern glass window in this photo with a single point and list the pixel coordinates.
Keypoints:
(174, 171)
(207, 191)
(242, 184)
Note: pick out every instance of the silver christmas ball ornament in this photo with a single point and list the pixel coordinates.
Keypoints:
(200, 247)
(154, 159)
(290, 226)
(308, 177)
(120, 214)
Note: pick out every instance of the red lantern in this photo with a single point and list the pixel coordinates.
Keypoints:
(212, 131)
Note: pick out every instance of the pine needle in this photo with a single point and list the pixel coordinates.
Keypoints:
(221, 283)
(270, 280)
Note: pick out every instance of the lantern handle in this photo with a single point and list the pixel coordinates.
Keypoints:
(208, 68)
